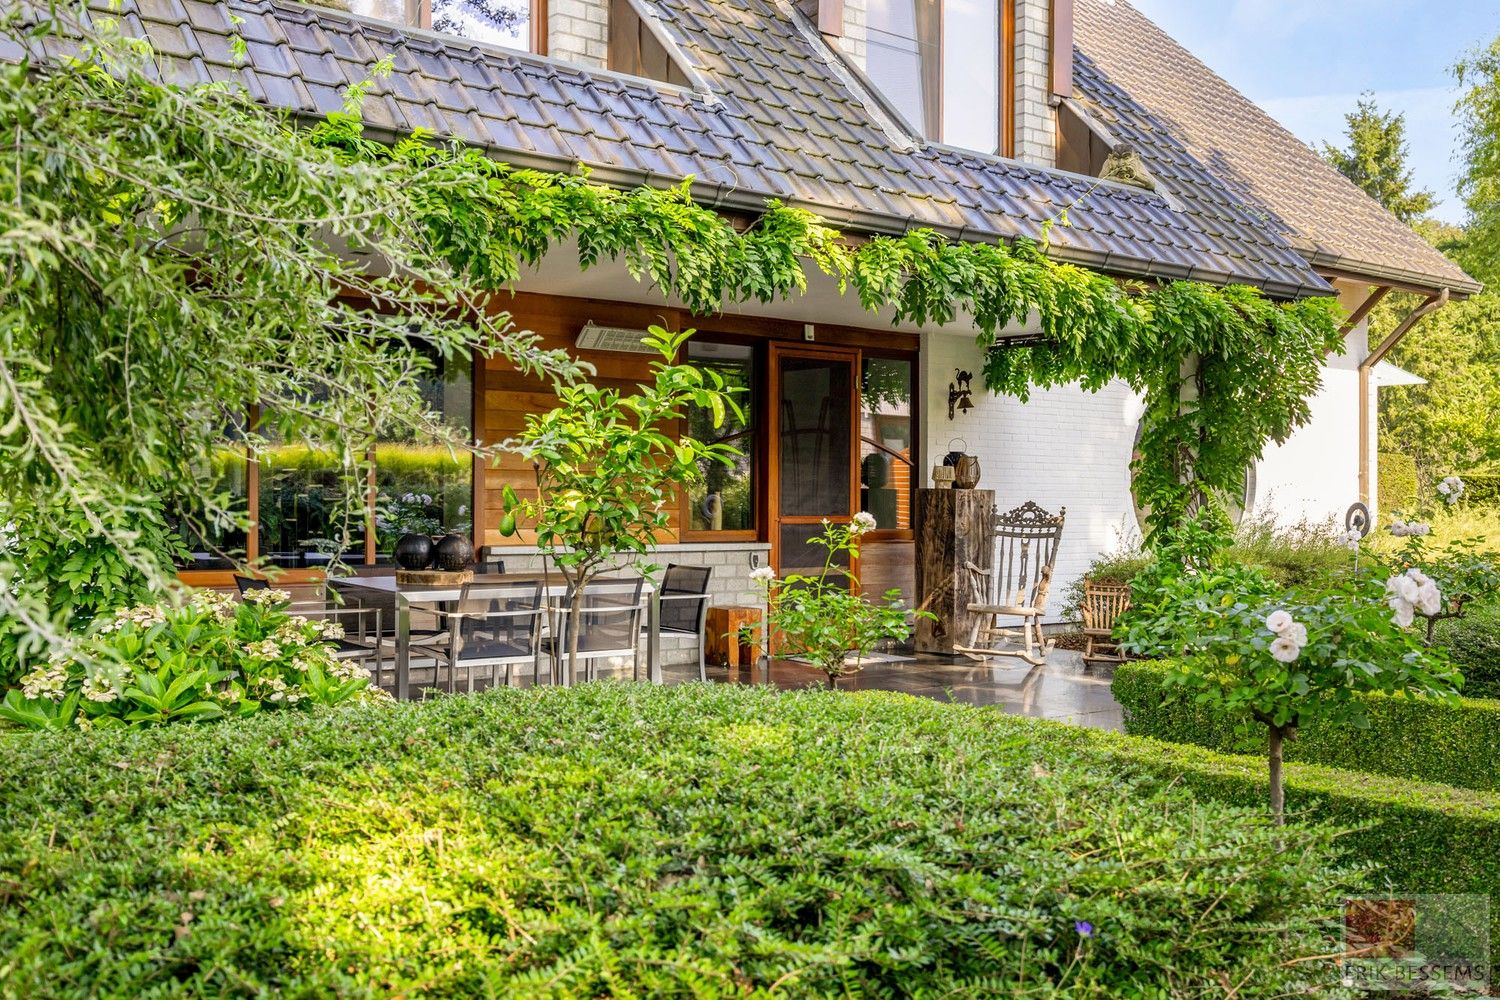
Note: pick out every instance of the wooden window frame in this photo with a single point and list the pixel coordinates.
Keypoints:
(538, 23)
(759, 454)
(908, 533)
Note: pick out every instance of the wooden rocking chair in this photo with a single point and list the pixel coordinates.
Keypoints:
(1103, 604)
(1016, 585)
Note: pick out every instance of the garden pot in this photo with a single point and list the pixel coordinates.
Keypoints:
(453, 553)
(413, 552)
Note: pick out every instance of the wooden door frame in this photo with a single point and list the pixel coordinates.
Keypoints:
(853, 357)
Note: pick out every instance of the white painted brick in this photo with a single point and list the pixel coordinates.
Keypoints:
(577, 31)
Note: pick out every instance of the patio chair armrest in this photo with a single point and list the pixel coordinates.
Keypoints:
(484, 616)
(664, 598)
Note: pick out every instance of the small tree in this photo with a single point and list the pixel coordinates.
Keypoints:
(1285, 662)
(824, 618)
(608, 464)
(1376, 160)
(1237, 640)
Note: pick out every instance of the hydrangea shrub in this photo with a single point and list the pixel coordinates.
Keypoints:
(209, 658)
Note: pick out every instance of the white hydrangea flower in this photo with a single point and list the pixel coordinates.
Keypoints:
(329, 629)
(47, 682)
(863, 521)
(101, 688)
(268, 597)
(265, 649)
(1284, 649)
(1279, 622)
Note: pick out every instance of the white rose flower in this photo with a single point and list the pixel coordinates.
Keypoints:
(1279, 622)
(1444, 488)
(1297, 633)
(1285, 650)
(763, 575)
(1408, 589)
(862, 522)
(1404, 615)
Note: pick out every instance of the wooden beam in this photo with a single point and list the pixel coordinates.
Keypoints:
(831, 17)
(1062, 48)
(1366, 404)
(1365, 308)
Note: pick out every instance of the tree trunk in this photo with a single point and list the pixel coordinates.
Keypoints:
(1278, 793)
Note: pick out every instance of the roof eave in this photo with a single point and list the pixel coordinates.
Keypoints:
(1337, 265)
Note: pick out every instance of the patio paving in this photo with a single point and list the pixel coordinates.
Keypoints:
(1063, 689)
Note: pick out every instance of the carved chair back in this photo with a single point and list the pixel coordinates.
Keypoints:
(1026, 543)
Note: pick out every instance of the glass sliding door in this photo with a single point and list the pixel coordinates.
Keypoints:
(814, 465)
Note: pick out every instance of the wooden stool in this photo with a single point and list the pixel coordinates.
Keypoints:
(725, 646)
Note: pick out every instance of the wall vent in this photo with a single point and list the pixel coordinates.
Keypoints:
(622, 340)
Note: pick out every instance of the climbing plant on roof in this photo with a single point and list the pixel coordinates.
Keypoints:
(1224, 370)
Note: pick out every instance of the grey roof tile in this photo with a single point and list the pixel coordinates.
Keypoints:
(781, 123)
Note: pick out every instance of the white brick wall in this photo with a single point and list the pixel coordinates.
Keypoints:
(1069, 448)
(578, 31)
(853, 42)
(1036, 124)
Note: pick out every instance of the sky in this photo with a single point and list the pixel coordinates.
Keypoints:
(1307, 62)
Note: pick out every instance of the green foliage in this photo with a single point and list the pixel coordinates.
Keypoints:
(78, 574)
(1482, 488)
(609, 463)
(1415, 837)
(1449, 743)
(1224, 372)
(1398, 481)
(1479, 117)
(613, 840)
(174, 257)
(1445, 424)
(1473, 644)
(825, 618)
(1259, 360)
(210, 658)
(1376, 160)
(1300, 554)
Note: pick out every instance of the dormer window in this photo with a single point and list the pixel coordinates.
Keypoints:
(510, 23)
(945, 65)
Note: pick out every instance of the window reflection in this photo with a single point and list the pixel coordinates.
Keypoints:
(886, 442)
(724, 500)
(499, 22)
(210, 545)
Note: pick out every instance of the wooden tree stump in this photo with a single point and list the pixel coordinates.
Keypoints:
(723, 646)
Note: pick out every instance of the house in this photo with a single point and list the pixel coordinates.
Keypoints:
(981, 120)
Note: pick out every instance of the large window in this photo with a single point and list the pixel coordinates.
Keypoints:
(942, 64)
(724, 500)
(300, 496)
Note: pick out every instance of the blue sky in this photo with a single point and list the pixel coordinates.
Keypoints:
(1307, 61)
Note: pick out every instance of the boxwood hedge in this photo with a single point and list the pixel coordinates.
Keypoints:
(1415, 837)
(624, 840)
(1456, 744)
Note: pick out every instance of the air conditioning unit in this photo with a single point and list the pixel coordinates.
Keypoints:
(622, 340)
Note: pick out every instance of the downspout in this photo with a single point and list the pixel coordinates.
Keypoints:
(1373, 358)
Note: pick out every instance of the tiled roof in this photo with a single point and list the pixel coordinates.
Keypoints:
(1187, 122)
(782, 117)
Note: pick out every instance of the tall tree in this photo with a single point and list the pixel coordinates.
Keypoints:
(1376, 160)
(1479, 117)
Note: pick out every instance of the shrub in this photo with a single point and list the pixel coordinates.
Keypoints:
(1483, 487)
(1417, 838)
(1398, 481)
(1425, 740)
(1473, 642)
(213, 657)
(1303, 554)
(616, 840)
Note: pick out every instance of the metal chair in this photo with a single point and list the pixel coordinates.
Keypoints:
(684, 606)
(1103, 604)
(1015, 584)
(249, 583)
(609, 626)
(491, 625)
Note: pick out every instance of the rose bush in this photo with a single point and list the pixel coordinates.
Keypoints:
(208, 658)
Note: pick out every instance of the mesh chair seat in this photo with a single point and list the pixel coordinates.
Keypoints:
(609, 624)
(491, 625)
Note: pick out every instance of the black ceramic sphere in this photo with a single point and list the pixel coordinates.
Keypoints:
(453, 553)
(414, 551)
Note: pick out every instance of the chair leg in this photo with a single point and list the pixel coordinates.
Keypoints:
(702, 666)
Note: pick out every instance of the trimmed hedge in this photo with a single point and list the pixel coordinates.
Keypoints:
(615, 840)
(1473, 642)
(1407, 738)
(1417, 838)
(1398, 482)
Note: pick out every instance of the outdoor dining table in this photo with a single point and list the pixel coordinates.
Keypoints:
(407, 595)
